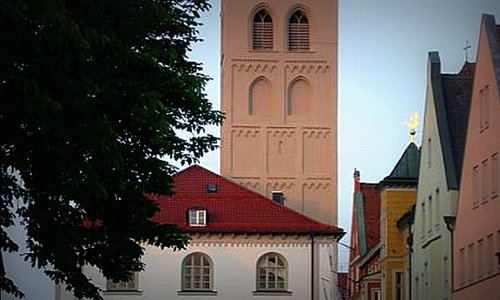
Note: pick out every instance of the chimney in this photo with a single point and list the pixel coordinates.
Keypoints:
(357, 176)
(278, 197)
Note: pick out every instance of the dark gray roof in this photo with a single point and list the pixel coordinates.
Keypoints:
(407, 219)
(493, 35)
(457, 91)
(405, 173)
(452, 97)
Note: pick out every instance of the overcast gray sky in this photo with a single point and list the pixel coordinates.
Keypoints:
(383, 46)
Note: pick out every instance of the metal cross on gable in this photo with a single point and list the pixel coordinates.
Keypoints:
(466, 50)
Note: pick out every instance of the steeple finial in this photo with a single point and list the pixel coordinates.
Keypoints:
(466, 50)
(412, 126)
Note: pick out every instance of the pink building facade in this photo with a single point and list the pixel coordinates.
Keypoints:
(476, 245)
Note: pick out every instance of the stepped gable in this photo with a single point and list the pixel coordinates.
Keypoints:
(231, 209)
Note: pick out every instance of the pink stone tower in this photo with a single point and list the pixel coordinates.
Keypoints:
(279, 93)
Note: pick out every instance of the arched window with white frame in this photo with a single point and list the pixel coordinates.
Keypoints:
(298, 32)
(272, 273)
(262, 30)
(197, 272)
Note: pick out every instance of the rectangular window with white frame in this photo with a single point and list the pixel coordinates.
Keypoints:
(470, 259)
(197, 217)
(124, 286)
(445, 272)
(399, 285)
(422, 285)
(495, 180)
(437, 210)
(427, 282)
(475, 186)
(430, 219)
(417, 288)
(462, 266)
(490, 257)
(423, 218)
(498, 250)
(480, 259)
(481, 110)
(484, 108)
(485, 181)
(486, 93)
(429, 153)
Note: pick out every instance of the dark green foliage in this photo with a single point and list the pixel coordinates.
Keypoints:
(92, 93)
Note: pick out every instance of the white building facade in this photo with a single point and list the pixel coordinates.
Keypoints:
(244, 246)
(234, 265)
(443, 142)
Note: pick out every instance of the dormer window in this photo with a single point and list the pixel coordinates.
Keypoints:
(211, 188)
(198, 217)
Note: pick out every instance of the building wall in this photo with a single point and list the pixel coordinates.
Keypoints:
(234, 259)
(372, 288)
(480, 145)
(266, 148)
(432, 240)
(370, 278)
(31, 281)
(395, 202)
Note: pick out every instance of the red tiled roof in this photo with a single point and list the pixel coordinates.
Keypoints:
(232, 209)
(371, 206)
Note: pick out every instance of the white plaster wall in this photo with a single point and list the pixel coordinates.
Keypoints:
(234, 270)
(31, 281)
(434, 244)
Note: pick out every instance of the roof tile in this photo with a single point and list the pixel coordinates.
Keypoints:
(232, 209)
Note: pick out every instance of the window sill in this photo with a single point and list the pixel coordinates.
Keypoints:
(263, 51)
(122, 292)
(197, 293)
(272, 293)
(299, 51)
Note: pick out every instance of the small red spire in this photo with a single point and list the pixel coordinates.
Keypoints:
(357, 187)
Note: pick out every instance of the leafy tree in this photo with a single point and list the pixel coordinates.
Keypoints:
(92, 95)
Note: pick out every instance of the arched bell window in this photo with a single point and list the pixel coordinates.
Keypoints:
(298, 32)
(262, 31)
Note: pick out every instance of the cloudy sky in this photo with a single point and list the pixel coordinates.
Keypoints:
(383, 47)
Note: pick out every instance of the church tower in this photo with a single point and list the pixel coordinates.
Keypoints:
(279, 93)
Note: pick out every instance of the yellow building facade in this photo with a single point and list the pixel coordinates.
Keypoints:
(398, 194)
